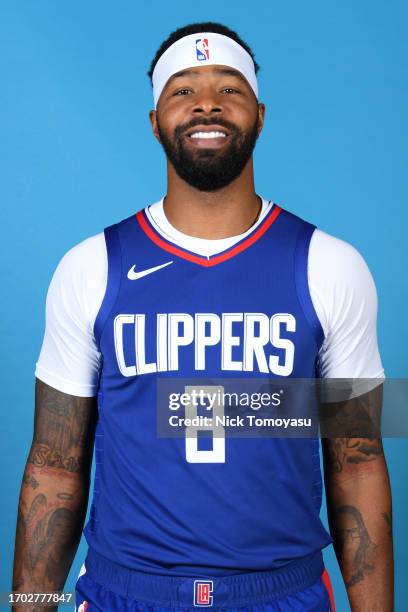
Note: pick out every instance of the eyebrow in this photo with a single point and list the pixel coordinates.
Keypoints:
(220, 71)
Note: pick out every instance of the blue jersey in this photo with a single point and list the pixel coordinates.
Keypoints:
(160, 505)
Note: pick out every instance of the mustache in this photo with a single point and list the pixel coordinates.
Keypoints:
(180, 129)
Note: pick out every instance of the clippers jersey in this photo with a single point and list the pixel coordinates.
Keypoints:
(168, 312)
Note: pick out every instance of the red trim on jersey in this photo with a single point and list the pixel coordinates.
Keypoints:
(214, 259)
(328, 585)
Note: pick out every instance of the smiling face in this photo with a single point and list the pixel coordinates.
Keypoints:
(208, 120)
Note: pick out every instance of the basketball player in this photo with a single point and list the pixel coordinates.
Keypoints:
(212, 280)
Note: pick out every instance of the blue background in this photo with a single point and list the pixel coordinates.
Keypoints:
(77, 154)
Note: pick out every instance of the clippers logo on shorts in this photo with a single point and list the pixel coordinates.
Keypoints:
(202, 592)
(202, 50)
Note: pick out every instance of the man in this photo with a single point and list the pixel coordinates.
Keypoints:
(210, 281)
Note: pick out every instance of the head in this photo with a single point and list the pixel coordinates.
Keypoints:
(207, 116)
(355, 537)
(60, 524)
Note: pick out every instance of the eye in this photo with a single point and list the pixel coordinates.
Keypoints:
(182, 91)
(230, 89)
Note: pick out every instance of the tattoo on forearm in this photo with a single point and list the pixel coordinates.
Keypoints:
(30, 480)
(38, 502)
(65, 496)
(357, 548)
(50, 518)
(387, 519)
(42, 455)
(49, 535)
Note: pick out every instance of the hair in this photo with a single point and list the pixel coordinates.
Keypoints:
(196, 28)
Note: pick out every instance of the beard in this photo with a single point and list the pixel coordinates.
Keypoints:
(209, 169)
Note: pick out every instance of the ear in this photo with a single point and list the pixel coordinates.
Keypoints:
(261, 117)
(153, 121)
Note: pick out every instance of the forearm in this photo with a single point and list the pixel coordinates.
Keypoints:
(360, 514)
(51, 514)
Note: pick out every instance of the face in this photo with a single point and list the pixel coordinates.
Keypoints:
(208, 120)
(60, 525)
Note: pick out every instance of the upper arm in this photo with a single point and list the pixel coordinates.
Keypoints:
(345, 298)
(64, 430)
(351, 437)
(67, 371)
(69, 359)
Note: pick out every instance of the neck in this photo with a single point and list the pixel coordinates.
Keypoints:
(212, 215)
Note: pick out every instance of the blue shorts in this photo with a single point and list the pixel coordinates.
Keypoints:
(301, 586)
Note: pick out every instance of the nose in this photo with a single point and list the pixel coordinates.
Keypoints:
(207, 103)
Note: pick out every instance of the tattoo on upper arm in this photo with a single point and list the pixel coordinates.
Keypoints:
(351, 430)
(343, 451)
(63, 430)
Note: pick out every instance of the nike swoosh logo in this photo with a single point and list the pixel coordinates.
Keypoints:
(133, 275)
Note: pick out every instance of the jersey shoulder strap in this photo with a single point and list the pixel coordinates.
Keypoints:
(301, 263)
(114, 256)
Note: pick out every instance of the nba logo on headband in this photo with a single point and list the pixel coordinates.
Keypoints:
(202, 50)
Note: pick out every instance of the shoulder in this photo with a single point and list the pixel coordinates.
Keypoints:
(340, 280)
(79, 279)
(85, 254)
(333, 253)
(69, 360)
(345, 299)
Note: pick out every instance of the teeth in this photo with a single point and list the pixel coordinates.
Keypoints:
(208, 135)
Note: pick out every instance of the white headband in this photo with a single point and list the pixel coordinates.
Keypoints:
(202, 49)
